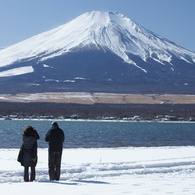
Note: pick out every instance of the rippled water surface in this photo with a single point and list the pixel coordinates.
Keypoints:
(96, 134)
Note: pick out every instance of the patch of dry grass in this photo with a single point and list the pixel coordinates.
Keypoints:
(107, 98)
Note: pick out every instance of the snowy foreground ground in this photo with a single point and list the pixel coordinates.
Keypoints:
(114, 171)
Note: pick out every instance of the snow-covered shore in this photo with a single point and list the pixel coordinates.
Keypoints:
(110, 171)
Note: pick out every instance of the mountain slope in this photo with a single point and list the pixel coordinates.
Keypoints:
(97, 48)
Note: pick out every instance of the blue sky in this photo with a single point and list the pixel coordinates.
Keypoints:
(172, 19)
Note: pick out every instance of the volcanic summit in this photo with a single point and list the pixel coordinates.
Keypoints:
(97, 52)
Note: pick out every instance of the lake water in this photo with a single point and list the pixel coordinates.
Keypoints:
(100, 134)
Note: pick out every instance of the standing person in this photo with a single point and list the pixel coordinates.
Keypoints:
(28, 152)
(55, 136)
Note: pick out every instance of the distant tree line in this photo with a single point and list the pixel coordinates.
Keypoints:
(145, 111)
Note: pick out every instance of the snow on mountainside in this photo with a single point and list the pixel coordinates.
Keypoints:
(104, 30)
(97, 51)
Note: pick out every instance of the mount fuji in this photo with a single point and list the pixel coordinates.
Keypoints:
(97, 52)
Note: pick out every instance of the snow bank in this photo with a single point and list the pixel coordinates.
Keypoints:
(110, 171)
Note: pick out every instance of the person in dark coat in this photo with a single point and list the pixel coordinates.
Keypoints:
(55, 137)
(28, 152)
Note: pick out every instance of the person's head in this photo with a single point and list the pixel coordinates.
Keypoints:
(29, 131)
(55, 124)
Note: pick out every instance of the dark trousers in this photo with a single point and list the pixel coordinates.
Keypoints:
(55, 165)
(26, 173)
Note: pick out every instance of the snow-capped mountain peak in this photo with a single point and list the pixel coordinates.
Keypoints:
(97, 50)
(105, 30)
